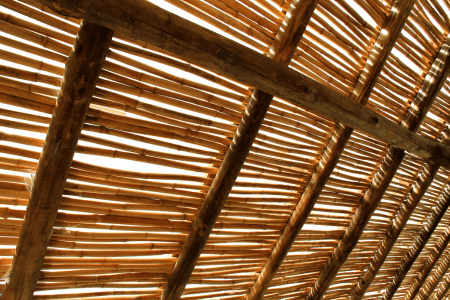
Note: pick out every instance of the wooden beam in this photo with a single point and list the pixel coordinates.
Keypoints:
(80, 77)
(430, 88)
(145, 21)
(429, 264)
(282, 51)
(393, 25)
(361, 93)
(418, 244)
(434, 280)
(443, 289)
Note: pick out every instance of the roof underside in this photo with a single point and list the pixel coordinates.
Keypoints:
(156, 133)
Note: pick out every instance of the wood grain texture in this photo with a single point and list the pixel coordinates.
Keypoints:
(142, 20)
(413, 118)
(81, 74)
(418, 245)
(281, 51)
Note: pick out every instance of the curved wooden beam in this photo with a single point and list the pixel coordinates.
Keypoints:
(429, 264)
(418, 244)
(282, 51)
(386, 41)
(140, 19)
(430, 88)
(80, 77)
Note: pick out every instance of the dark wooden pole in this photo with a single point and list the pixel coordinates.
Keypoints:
(386, 41)
(80, 77)
(281, 51)
(416, 113)
(419, 243)
(140, 19)
(429, 264)
(361, 93)
(432, 282)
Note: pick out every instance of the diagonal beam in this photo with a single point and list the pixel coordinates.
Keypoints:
(145, 21)
(361, 93)
(393, 26)
(282, 51)
(429, 90)
(434, 280)
(80, 77)
(443, 289)
(418, 245)
(429, 264)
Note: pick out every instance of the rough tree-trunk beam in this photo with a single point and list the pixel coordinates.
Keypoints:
(393, 25)
(80, 77)
(361, 93)
(432, 281)
(429, 265)
(419, 243)
(443, 289)
(145, 21)
(282, 50)
(416, 113)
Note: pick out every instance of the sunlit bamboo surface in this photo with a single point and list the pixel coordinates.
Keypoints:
(156, 133)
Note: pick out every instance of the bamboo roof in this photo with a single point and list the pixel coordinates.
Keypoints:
(342, 179)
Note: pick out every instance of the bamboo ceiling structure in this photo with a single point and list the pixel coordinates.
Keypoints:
(224, 149)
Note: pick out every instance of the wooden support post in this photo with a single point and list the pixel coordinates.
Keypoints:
(361, 93)
(282, 51)
(416, 113)
(392, 28)
(429, 264)
(80, 77)
(419, 243)
(443, 289)
(207, 49)
(432, 282)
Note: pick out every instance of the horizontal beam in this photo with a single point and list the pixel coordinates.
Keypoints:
(80, 77)
(145, 21)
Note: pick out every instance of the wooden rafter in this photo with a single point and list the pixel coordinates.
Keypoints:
(433, 258)
(418, 244)
(198, 45)
(282, 51)
(443, 289)
(361, 93)
(432, 281)
(393, 25)
(415, 115)
(80, 77)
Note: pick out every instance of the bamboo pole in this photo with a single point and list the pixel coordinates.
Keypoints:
(432, 281)
(418, 245)
(433, 258)
(414, 117)
(282, 51)
(80, 77)
(206, 52)
(329, 159)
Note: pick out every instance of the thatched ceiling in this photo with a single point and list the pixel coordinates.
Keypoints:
(189, 180)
